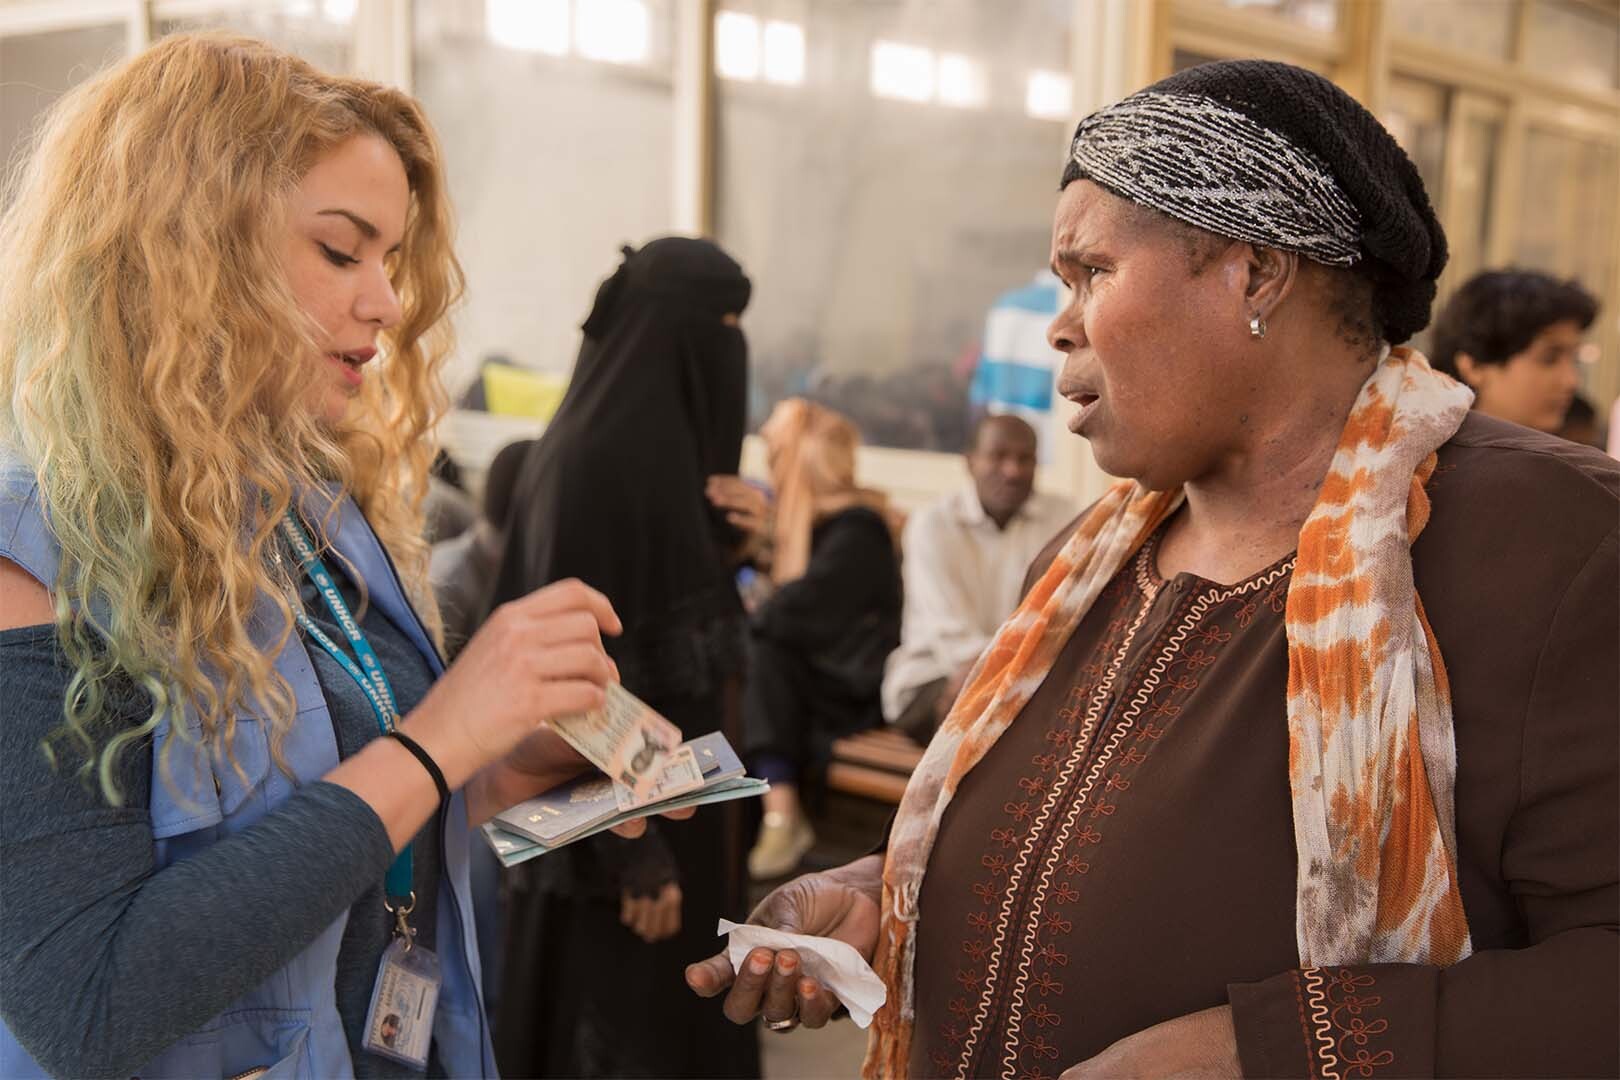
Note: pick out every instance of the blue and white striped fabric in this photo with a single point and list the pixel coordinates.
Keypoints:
(1017, 368)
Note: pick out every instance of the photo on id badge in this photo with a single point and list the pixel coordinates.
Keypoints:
(400, 1024)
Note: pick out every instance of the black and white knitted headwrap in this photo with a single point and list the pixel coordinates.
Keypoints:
(1198, 161)
(1275, 155)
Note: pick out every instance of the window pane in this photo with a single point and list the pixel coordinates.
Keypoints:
(1474, 189)
(1567, 211)
(1468, 220)
(1476, 26)
(1416, 115)
(1320, 15)
(317, 30)
(556, 121)
(1182, 59)
(1569, 225)
(1576, 43)
(38, 68)
(880, 213)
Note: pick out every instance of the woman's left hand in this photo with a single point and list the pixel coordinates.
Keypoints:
(652, 918)
(1200, 1045)
(537, 764)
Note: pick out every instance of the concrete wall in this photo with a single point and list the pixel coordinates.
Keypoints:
(36, 69)
(879, 232)
(863, 259)
(553, 164)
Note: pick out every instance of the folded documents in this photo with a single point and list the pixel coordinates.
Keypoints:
(704, 770)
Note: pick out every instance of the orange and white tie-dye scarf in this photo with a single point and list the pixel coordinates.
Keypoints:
(1372, 754)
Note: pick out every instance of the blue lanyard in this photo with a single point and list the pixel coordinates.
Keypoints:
(368, 673)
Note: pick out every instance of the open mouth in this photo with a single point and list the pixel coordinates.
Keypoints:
(353, 359)
(1087, 405)
(351, 362)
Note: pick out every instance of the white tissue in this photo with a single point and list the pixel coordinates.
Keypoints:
(835, 964)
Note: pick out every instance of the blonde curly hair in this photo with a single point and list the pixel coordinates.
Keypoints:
(144, 326)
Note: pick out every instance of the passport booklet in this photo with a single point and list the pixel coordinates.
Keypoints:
(702, 771)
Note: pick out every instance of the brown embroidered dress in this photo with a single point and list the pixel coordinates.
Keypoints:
(1124, 854)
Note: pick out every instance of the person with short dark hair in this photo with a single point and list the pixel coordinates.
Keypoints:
(462, 568)
(1514, 336)
(965, 557)
(447, 509)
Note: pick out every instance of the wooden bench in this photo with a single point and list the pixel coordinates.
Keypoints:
(874, 764)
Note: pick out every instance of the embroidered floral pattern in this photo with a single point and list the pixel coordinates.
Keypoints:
(1339, 1024)
(1035, 793)
(1038, 851)
(1170, 678)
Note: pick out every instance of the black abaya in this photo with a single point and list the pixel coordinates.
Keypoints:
(613, 494)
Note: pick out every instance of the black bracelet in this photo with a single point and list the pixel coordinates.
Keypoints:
(427, 763)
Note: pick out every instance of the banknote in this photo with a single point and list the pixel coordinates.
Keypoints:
(624, 738)
(681, 774)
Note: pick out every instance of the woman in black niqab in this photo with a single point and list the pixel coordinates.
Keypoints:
(614, 494)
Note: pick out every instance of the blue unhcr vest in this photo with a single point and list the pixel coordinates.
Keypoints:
(288, 1024)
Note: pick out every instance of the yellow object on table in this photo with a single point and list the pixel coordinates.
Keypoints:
(515, 391)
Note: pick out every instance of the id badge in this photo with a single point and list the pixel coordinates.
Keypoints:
(399, 1024)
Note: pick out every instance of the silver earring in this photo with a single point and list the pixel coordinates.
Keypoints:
(1257, 326)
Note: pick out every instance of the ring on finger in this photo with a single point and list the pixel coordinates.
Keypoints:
(782, 1027)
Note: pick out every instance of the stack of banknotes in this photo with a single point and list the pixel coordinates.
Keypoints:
(644, 769)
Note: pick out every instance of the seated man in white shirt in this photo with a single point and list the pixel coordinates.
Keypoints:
(965, 558)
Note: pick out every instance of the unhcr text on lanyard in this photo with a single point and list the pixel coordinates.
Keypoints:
(368, 674)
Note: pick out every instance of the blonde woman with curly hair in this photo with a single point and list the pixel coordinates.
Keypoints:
(236, 781)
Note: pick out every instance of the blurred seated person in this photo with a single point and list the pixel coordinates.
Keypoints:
(817, 646)
(1581, 424)
(1514, 336)
(965, 558)
(462, 569)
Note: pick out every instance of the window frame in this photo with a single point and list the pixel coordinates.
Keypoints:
(1118, 46)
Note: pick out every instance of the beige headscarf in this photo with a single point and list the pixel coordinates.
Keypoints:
(812, 461)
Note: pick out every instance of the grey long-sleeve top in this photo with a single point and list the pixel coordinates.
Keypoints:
(106, 960)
